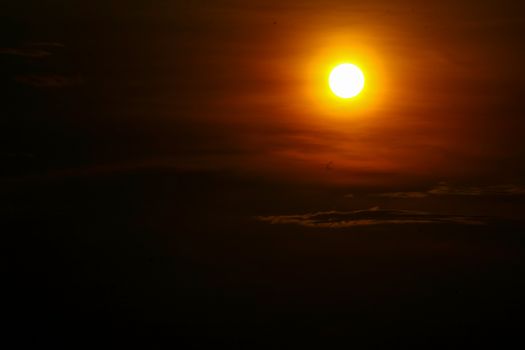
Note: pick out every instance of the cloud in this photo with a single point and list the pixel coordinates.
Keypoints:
(25, 52)
(31, 50)
(369, 217)
(48, 44)
(48, 80)
(17, 155)
(497, 190)
(444, 189)
(42, 79)
(403, 195)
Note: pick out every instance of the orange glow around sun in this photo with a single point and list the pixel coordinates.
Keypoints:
(347, 79)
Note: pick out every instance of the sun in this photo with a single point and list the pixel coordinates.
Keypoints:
(346, 80)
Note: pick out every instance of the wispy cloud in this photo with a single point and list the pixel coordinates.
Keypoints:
(444, 189)
(32, 50)
(48, 44)
(48, 80)
(25, 52)
(403, 194)
(369, 217)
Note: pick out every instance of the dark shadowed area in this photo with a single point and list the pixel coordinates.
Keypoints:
(179, 172)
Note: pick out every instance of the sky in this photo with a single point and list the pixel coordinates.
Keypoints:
(166, 129)
(231, 86)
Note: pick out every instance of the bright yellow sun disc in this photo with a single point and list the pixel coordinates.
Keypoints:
(347, 80)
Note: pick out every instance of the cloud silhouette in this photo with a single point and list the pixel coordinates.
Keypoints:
(31, 50)
(48, 80)
(25, 52)
(403, 195)
(369, 217)
(48, 44)
(497, 190)
(444, 189)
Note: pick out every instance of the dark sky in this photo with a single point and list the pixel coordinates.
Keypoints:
(159, 157)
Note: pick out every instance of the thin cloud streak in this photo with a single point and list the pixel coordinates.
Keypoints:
(48, 80)
(369, 217)
(32, 50)
(444, 189)
(24, 52)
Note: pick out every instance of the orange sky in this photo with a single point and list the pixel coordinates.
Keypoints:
(243, 86)
(441, 100)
